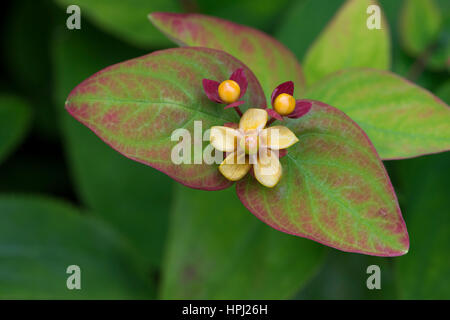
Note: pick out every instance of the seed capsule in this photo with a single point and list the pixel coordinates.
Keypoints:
(284, 104)
(249, 143)
(229, 91)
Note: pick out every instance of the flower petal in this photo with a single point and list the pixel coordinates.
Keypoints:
(275, 114)
(253, 119)
(267, 169)
(241, 79)
(277, 137)
(211, 88)
(302, 107)
(234, 167)
(223, 138)
(285, 87)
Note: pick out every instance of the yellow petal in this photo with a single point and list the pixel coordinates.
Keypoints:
(223, 138)
(253, 119)
(277, 137)
(268, 168)
(234, 167)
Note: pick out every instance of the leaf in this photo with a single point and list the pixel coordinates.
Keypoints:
(443, 91)
(420, 23)
(125, 19)
(15, 119)
(425, 272)
(40, 238)
(401, 119)
(344, 277)
(347, 42)
(25, 41)
(131, 197)
(217, 250)
(303, 22)
(424, 32)
(262, 16)
(334, 189)
(271, 62)
(135, 106)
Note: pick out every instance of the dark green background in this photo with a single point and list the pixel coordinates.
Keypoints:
(67, 198)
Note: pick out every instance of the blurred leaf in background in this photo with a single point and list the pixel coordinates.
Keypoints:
(424, 272)
(302, 23)
(425, 31)
(344, 276)
(218, 250)
(264, 14)
(126, 19)
(40, 238)
(424, 193)
(26, 45)
(15, 119)
(347, 42)
(133, 197)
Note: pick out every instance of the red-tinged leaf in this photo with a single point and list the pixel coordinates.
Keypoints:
(271, 62)
(400, 118)
(334, 188)
(135, 106)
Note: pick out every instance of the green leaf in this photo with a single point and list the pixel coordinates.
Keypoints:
(420, 23)
(271, 62)
(443, 91)
(262, 16)
(303, 22)
(40, 238)
(125, 19)
(26, 43)
(334, 189)
(425, 272)
(218, 250)
(401, 119)
(130, 196)
(135, 107)
(15, 119)
(344, 277)
(347, 42)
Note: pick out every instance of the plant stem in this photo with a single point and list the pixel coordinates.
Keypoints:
(270, 121)
(238, 110)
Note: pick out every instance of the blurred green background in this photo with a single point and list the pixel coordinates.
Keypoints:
(66, 198)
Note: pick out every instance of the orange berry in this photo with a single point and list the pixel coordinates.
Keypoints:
(229, 91)
(284, 104)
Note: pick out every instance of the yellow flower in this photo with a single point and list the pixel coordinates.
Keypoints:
(252, 144)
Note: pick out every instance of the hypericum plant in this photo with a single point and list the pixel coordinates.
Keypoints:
(331, 185)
